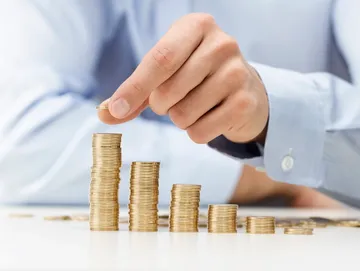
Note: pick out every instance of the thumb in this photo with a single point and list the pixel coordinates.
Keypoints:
(105, 115)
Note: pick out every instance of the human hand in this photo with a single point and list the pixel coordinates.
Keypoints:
(197, 75)
(255, 188)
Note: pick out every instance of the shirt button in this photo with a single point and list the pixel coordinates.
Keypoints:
(287, 163)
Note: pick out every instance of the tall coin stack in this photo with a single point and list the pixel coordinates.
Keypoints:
(184, 208)
(105, 179)
(144, 196)
(260, 224)
(222, 218)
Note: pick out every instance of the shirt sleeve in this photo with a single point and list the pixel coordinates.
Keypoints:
(313, 134)
(48, 53)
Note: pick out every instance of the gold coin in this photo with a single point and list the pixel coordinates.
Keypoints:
(58, 217)
(186, 186)
(102, 107)
(347, 223)
(15, 215)
(100, 228)
(80, 217)
(143, 229)
(183, 229)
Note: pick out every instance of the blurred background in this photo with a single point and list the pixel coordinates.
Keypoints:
(59, 59)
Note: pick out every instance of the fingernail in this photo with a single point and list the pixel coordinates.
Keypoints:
(120, 108)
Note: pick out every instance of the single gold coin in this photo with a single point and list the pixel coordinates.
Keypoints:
(16, 215)
(353, 223)
(102, 107)
(80, 217)
(57, 218)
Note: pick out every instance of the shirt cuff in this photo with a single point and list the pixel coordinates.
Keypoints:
(294, 143)
(242, 151)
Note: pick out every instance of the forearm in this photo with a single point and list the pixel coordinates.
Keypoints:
(315, 119)
(254, 186)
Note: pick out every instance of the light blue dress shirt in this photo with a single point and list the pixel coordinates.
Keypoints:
(60, 58)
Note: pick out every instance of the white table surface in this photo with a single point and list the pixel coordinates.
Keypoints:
(35, 244)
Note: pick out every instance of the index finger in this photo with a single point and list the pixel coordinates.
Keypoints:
(160, 63)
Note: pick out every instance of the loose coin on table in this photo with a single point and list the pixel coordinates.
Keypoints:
(353, 223)
(57, 217)
(80, 217)
(15, 215)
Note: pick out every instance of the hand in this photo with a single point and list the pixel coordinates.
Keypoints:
(196, 74)
(256, 188)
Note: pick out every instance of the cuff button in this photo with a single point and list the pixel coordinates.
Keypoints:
(287, 163)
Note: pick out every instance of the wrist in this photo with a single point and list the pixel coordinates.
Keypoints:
(262, 136)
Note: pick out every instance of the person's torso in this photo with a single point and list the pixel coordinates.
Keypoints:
(294, 35)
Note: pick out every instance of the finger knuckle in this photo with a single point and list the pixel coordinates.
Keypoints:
(179, 116)
(164, 59)
(196, 135)
(245, 102)
(156, 105)
(225, 46)
(231, 44)
(232, 77)
(235, 73)
(203, 21)
(166, 90)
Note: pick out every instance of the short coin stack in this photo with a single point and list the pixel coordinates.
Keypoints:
(260, 224)
(298, 231)
(184, 208)
(144, 196)
(105, 179)
(222, 218)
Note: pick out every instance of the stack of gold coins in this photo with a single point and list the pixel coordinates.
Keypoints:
(222, 218)
(260, 224)
(105, 179)
(184, 208)
(298, 231)
(144, 196)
